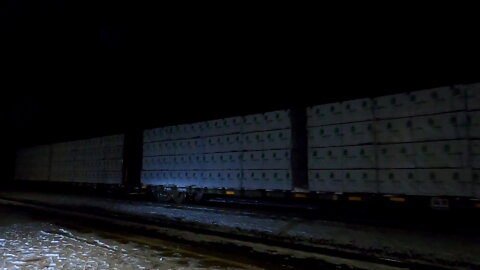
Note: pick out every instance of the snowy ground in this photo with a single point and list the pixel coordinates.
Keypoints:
(430, 247)
(30, 243)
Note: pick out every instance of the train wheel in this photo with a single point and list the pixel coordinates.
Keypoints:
(199, 196)
(179, 197)
(162, 195)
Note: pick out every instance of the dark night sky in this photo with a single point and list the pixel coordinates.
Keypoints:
(80, 70)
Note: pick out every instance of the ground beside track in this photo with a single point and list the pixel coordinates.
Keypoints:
(31, 241)
(451, 250)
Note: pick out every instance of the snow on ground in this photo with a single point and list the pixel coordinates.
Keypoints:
(381, 241)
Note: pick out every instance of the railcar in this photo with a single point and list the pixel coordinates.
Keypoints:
(422, 145)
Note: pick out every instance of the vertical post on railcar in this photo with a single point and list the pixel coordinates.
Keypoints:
(132, 157)
(299, 149)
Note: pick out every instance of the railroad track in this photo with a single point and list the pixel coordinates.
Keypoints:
(238, 250)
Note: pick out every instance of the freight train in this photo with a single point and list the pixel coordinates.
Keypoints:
(422, 145)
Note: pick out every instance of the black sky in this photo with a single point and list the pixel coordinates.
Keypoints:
(77, 69)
